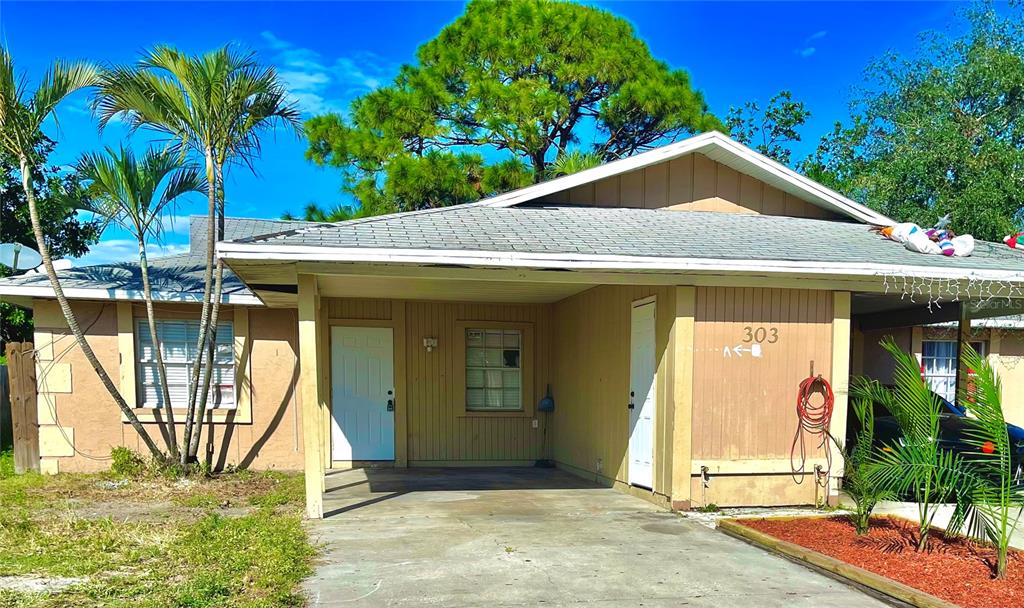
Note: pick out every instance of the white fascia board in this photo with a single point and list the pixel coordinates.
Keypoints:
(497, 259)
(700, 143)
(90, 293)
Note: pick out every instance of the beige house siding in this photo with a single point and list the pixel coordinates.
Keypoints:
(82, 423)
(744, 417)
(591, 383)
(690, 183)
(431, 398)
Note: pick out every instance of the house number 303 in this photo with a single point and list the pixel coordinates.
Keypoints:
(761, 334)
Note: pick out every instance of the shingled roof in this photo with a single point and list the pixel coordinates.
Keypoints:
(173, 278)
(640, 233)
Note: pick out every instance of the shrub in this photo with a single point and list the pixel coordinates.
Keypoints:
(126, 463)
(858, 462)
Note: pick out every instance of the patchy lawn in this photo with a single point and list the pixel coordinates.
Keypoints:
(234, 539)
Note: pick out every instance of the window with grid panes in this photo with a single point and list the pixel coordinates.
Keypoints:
(178, 340)
(494, 369)
(938, 364)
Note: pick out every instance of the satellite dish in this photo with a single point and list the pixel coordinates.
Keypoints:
(19, 257)
(58, 265)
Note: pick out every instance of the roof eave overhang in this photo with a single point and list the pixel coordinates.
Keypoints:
(18, 293)
(596, 263)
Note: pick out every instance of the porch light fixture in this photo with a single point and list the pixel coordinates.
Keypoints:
(429, 344)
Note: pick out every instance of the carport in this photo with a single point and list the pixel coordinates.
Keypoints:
(502, 536)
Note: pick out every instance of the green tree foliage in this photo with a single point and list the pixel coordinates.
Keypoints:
(917, 465)
(941, 132)
(769, 131)
(59, 195)
(858, 463)
(997, 496)
(518, 77)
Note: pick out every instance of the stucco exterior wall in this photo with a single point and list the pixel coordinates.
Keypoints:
(80, 423)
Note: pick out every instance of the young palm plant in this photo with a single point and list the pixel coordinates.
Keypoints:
(215, 106)
(21, 117)
(997, 496)
(135, 195)
(916, 464)
(858, 463)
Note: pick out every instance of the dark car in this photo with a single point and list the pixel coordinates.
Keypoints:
(952, 433)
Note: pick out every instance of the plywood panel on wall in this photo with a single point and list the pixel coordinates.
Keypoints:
(591, 381)
(744, 405)
(689, 183)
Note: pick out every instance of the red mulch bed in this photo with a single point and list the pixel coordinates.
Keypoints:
(954, 568)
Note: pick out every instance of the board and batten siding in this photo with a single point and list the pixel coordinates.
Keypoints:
(744, 415)
(689, 183)
(591, 383)
(439, 430)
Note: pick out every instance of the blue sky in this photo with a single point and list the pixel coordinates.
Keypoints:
(331, 52)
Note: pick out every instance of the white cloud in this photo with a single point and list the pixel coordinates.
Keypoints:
(176, 224)
(125, 250)
(320, 86)
(807, 49)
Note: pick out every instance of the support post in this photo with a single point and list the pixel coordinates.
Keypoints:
(963, 336)
(840, 387)
(680, 346)
(309, 394)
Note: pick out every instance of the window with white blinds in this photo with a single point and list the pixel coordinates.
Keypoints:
(938, 365)
(178, 340)
(494, 372)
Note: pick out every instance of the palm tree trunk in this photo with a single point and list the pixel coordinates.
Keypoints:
(72, 320)
(208, 374)
(204, 317)
(161, 369)
(193, 447)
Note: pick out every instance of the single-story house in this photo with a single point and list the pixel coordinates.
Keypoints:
(669, 303)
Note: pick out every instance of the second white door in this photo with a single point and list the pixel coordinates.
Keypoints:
(362, 394)
(642, 400)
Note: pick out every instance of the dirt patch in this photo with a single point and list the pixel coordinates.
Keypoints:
(954, 569)
(38, 584)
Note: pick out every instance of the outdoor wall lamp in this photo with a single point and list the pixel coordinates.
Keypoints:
(430, 344)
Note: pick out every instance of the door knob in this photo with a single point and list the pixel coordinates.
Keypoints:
(391, 402)
(631, 396)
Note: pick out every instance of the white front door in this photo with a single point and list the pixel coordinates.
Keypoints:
(362, 394)
(641, 396)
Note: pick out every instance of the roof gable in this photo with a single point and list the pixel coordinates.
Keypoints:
(718, 148)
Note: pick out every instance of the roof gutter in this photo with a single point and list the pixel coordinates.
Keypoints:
(505, 259)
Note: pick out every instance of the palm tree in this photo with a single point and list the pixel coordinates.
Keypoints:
(997, 497)
(573, 161)
(916, 464)
(135, 195)
(215, 106)
(21, 117)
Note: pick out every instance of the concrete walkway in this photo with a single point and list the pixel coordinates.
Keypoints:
(530, 537)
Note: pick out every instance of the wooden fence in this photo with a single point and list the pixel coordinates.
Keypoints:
(21, 382)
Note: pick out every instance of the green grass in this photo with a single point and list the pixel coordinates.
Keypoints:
(134, 547)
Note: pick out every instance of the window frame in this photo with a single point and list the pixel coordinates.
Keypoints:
(526, 369)
(238, 316)
(983, 351)
(142, 325)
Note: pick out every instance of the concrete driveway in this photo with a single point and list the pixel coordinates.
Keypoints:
(528, 537)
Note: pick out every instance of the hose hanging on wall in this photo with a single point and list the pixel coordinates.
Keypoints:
(813, 419)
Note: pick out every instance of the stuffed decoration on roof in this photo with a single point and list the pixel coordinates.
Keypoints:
(936, 241)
